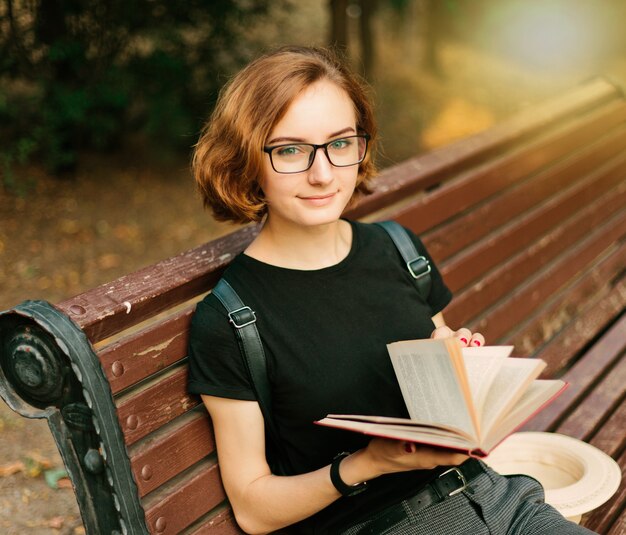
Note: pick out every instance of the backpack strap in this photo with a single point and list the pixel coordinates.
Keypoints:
(418, 265)
(243, 320)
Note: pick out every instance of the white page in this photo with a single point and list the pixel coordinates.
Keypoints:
(482, 365)
(428, 383)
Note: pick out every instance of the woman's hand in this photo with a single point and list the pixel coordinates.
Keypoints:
(465, 336)
(385, 456)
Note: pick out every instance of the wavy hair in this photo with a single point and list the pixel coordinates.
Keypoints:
(227, 162)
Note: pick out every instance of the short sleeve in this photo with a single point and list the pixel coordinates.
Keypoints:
(440, 295)
(216, 366)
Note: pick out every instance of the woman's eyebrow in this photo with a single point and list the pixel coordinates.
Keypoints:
(301, 140)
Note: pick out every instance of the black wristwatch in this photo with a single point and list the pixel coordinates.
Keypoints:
(343, 488)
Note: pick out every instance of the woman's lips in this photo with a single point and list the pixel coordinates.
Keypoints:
(319, 200)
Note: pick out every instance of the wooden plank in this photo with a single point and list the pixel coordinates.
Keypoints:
(531, 299)
(609, 517)
(429, 169)
(124, 302)
(154, 405)
(501, 281)
(527, 301)
(137, 356)
(173, 450)
(472, 263)
(181, 502)
(560, 308)
(598, 406)
(476, 185)
(222, 523)
(619, 527)
(470, 226)
(610, 436)
(585, 327)
(583, 376)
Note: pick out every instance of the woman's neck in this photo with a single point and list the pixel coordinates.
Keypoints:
(305, 248)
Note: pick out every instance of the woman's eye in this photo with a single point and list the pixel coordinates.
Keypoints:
(339, 144)
(291, 150)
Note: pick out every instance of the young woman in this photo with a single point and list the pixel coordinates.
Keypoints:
(290, 143)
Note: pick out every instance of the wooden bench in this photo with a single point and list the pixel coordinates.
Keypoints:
(527, 221)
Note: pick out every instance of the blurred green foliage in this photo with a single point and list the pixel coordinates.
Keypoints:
(90, 74)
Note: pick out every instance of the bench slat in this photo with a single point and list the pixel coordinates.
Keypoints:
(528, 300)
(611, 438)
(222, 523)
(586, 326)
(176, 448)
(476, 185)
(610, 517)
(429, 169)
(155, 405)
(476, 260)
(137, 356)
(597, 407)
(118, 305)
(501, 281)
(560, 308)
(468, 228)
(583, 376)
(180, 503)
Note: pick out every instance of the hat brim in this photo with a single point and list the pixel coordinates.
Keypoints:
(576, 476)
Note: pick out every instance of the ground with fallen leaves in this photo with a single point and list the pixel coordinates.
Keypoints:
(61, 237)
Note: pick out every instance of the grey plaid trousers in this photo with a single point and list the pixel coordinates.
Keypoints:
(495, 505)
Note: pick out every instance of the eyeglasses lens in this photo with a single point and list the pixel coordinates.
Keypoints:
(298, 157)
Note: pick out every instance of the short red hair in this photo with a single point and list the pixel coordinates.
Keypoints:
(228, 158)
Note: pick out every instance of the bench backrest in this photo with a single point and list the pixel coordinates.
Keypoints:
(524, 220)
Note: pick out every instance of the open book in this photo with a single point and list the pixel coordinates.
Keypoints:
(467, 399)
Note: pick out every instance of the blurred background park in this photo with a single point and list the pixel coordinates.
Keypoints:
(102, 100)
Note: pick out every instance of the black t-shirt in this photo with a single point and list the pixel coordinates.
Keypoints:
(324, 333)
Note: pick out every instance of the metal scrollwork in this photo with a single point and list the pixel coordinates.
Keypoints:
(48, 369)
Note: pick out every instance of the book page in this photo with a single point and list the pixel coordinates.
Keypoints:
(429, 383)
(512, 380)
(482, 364)
(539, 393)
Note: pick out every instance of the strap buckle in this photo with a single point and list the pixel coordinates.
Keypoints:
(242, 317)
(464, 484)
(419, 267)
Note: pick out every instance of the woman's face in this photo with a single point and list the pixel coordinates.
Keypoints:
(323, 112)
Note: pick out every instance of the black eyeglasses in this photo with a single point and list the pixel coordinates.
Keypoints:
(299, 157)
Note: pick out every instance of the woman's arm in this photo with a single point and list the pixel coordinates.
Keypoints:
(263, 502)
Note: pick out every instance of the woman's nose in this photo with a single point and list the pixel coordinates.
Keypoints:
(321, 171)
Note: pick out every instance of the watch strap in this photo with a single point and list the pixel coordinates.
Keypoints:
(339, 484)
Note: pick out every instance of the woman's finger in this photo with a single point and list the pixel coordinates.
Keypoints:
(477, 340)
(442, 332)
(464, 335)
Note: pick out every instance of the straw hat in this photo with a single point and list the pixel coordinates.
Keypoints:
(576, 476)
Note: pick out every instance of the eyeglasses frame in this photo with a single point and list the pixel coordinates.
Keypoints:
(269, 149)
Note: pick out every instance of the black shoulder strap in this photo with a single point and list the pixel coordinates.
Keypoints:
(418, 266)
(243, 320)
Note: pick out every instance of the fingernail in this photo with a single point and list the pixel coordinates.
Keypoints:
(408, 447)
(464, 340)
(476, 343)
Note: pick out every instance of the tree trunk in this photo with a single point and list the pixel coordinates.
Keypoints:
(339, 24)
(368, 50)
(433, 26)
